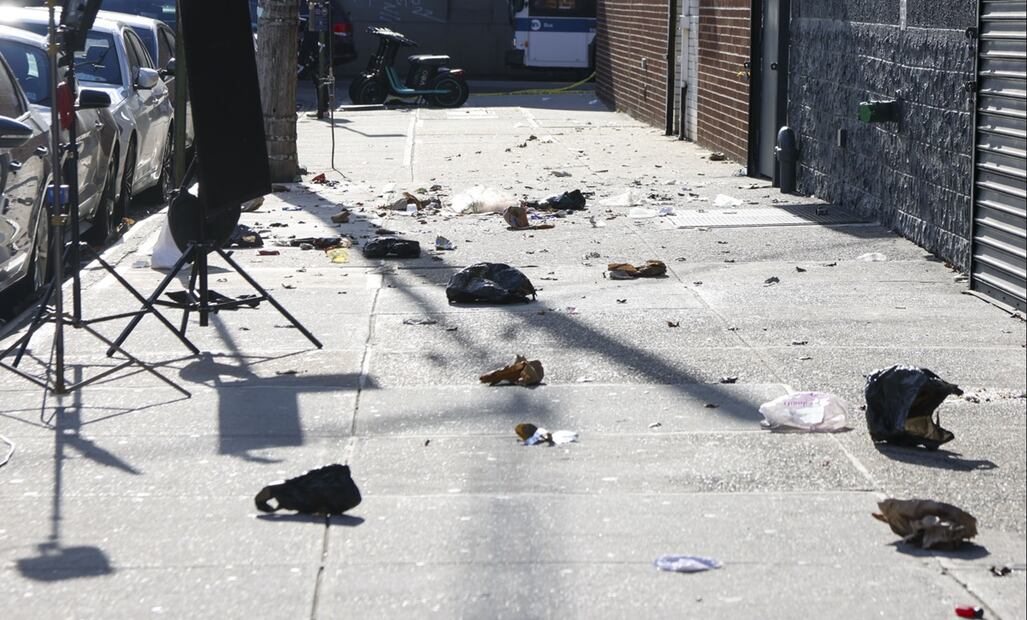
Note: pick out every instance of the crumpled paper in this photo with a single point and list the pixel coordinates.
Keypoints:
(627, 271)
(521, 372)
(927, 523)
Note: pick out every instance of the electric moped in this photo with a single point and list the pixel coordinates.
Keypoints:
(428, 77)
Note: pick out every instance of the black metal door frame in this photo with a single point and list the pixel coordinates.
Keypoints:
(756, 81)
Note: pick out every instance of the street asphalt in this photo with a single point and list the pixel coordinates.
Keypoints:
(128, 500)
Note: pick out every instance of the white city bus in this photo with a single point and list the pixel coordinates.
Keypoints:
(553, 33)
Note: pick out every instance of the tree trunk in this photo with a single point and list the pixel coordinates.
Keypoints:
(276, 64)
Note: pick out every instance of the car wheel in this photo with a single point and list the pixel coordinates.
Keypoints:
(105, 222)
(127, 180)
(371, 92)
(166, 183)
(454, 97)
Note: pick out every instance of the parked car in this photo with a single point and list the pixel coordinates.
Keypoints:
(344, 48)
(159, 39)
(24, 175)
(96, 130)
(116, 62)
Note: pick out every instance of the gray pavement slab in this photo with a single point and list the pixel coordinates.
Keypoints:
(127, 501)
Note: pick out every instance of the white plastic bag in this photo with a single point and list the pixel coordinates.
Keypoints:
(815, 412)
(165, 251)
(479, 199)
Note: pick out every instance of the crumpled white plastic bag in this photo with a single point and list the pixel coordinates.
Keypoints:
(814, 412)
(165, 251)
(480, 199)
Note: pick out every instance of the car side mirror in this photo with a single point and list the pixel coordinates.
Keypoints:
(169, 70)
(12, 133)
(93, 100)
(147, 79)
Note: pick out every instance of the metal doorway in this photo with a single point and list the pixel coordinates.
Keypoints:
(769, 94)
(999, 261)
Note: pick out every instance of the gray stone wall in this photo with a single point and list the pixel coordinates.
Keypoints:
(915, 175)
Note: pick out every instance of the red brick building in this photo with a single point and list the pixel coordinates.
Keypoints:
(709, 53)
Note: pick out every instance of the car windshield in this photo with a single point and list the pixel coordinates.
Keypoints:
(163, 10)
(31, 69)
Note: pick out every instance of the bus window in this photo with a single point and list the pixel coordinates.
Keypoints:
(562, 8)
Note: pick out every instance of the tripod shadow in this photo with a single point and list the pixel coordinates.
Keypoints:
(54, 561)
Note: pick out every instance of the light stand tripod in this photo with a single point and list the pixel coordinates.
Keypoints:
(199, 298)
(58, 198)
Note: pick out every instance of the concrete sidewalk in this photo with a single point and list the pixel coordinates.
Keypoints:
(127, 501)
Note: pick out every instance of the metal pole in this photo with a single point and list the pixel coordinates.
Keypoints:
(73, 197)
(181, 100)
(56, 210)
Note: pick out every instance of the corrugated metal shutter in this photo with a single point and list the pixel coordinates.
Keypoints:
(999, 265)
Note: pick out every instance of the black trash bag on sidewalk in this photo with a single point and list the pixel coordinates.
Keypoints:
(244, 237)
(900, 406)
(490, 282)
(329, 490)
(392, 248)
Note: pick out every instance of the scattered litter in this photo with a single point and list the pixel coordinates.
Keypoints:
(900, 406)
(342, 217)
(480, 199)
(872, 257)
(771, 281)
(596, 223)
(800, 343)
(729, 379)
(244, 237)
(815, 412)
(831, 265)
(292, 208)
(673, 323)
(320, 179)
(268, 252)
(1000, 571)
(392, 248)
(627, 271)
(800, 270)
(723, 200)
(967, 611)
(520, 372)
(560, 173)
(441, 243)
(711, 405)
(567, 201)
(489, 282)
(286, 373)
(338, 255)
(685, 563)
(627, 199)
(532, 435)
(322, 243)
(329, 490)
(927, 523)
(655, 425)
(517, 218)
(718, 156)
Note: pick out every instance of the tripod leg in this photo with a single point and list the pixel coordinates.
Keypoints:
(193, 272)
(37, 321)
(120, 340)
(146, 304)
(132, 360)
(234, 265)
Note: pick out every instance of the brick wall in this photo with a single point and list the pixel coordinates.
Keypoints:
(626, 32)
(723, 101)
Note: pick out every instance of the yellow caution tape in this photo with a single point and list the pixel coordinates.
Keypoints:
(538, 91)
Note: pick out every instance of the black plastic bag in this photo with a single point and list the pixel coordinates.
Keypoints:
(244, 237)
(392, 248)
(490, 282)
(329, 490)
(567, 201)
(900, 406)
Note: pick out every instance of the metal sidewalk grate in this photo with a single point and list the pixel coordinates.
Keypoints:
(797, 215)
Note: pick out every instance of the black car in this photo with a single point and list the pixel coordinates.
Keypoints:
(344, 49)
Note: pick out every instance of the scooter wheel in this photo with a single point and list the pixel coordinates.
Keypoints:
(354, 87)
(370, 92)
(454, 97)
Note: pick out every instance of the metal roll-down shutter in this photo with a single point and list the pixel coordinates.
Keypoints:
(999, 263)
